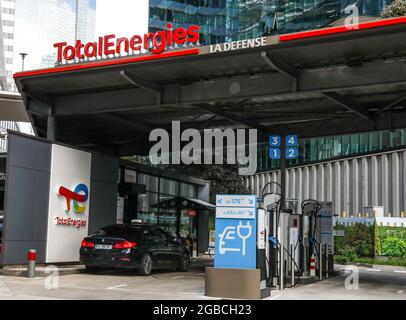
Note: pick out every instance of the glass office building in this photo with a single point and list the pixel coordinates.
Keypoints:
(225, 20)
(7, 13)
(60, 20)
(3, 76)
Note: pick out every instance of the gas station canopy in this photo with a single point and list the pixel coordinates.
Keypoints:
(317, 83)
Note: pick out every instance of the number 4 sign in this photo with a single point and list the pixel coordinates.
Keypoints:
(291, 142)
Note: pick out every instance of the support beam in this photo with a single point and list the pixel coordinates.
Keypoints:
(37, 97)
(142, 83)
(392, 104)
(348, 104)
(52, 128)
(281, 67)
(136, 125)
(232, 117)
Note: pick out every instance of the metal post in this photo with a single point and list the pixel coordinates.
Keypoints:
(23, 55)
(32, 258)
(327, 260)
(320, 262)
(283, 172)
(292, 265)
(281, 273)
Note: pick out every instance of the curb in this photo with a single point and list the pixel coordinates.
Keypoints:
(40, 272)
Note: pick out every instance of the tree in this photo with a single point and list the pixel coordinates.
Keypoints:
(396, 9)
(224, 178)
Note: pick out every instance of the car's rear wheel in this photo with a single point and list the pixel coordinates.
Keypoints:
(184, 262)
(92, 269)
(146, 265)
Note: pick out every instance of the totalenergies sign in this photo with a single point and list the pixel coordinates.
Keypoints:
(155, 42)
(78, 196)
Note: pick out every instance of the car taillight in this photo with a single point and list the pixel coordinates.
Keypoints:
(124, 245)
(87, 244)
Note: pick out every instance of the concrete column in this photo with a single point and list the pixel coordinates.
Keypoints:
(337, 188)
(365, 183)
(306, 184)
(313, 182)
(321, 183)
(299, 190)
(395, 173)
(329, 179)
(262, 184)
(374, 201)
(275, 179)
(257, 178)
(52, 128)
(385, 186)
(346, 187)
(287, 184)
(356, 185)
(292, 177)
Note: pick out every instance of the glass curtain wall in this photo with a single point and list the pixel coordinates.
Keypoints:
(158, 190)
(333, 147)
(225, 20)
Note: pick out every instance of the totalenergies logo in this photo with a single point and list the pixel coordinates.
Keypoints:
(78, 196)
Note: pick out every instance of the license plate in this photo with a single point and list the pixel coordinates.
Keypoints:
(103, 246)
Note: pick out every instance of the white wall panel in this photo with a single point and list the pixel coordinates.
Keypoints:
(374, 180)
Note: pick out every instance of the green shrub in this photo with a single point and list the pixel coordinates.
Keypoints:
(349, 254)
(363, 248)
(394, 247)
(359, 237)
(377, 240)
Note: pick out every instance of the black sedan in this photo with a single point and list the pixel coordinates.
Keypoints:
(133, 246)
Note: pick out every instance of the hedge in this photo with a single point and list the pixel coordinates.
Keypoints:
(370, 241)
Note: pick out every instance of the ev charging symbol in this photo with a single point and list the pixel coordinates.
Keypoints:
(230, 232)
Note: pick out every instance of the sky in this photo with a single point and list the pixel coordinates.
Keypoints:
(121, 17)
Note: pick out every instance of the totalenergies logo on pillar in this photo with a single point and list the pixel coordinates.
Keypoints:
(78, 197)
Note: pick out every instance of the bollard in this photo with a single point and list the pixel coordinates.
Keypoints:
(312, 266)
(32, 258)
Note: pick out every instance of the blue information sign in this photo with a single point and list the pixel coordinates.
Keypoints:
(292, 153)
(291, 141)
(236, 229)
(275, 153)
(275, 141)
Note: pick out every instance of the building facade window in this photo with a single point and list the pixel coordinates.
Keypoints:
(334, 147)
(159, 190)
(225, 20)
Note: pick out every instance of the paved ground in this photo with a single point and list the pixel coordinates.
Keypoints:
(383, 283)
(380, 282)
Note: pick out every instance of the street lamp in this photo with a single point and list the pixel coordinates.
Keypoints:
(23, 55)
